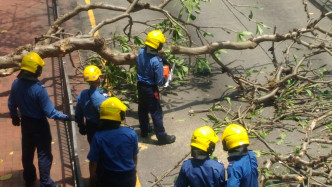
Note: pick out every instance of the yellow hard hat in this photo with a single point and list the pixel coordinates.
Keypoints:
(202, 138)
(111, 108)
(234, 135)
(91, 73)
(154, 38)
(31, 61)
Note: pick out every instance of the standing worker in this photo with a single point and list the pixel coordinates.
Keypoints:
(150, 74)
(114, 148)
(30, 96)
(88, 103)
(242, 168)
(201, 170)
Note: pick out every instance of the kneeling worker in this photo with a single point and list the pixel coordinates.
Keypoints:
(242, 168)
(114, 148)
(201, 170)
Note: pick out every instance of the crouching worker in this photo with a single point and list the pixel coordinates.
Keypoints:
(114, 148)
(242, 168)
(201, 170)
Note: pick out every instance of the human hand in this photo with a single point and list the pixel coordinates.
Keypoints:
(70, 118)
(82, 130)
(16, 121)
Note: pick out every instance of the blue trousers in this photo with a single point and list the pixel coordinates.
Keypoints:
(36, 134)
(118, 179)
(91, 129)
(149, 102)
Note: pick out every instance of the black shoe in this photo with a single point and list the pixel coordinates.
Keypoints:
(30, 183)
(168, 139)
(145, 134)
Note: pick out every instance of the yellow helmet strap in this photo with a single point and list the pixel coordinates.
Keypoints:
(160, 47)
(211, 147)
(39, 71)
(224, 145)
(122, 115)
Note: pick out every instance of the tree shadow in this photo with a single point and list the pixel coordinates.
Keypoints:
(14, 21)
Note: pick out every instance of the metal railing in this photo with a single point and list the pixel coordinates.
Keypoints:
(70, 127)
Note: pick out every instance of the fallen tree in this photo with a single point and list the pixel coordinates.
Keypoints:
(296, 89)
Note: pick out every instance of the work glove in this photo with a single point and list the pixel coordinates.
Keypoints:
(70, 118)
(16, 121)
(82, 130)
(164, 59)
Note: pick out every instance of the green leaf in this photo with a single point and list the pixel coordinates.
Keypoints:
(207, 34)
(192, 17)
(230, 86)
(309, 92)
(257, 7)
(258, 153)
(250, 72)
(282, 138)
(222, 51)
(246, 33)
(227, 119)
(263, 25)
(138, 40)
(297, 149)
(212, 118)
(295, 58)
(259, 30)
(228, 100)
(6, 177)
(181, 13)
(240, 35)
(262, 134)
(240, 38)
(251, 15)
(204, 119)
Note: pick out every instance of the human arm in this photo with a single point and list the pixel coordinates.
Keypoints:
(79, 115)
(135, 161)
(221, 179)
(158, 70)
(97, 98)
(12, 106)
(181, 181)
(234, 177)
(48, 107)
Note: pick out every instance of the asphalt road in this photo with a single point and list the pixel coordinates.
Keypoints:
(200, 93)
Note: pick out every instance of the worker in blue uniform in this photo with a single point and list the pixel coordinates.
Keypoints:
(114, 148)
(33, 102)
(201, 170)
(88, 103)
(242, 168)
(150, 74)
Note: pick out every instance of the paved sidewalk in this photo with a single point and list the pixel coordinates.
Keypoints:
(20, 22)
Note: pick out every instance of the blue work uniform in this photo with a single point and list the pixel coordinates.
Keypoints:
(88, 106)
(242, 171)
(198, 173)
(149, 75)
(114, 150)
(34, 104)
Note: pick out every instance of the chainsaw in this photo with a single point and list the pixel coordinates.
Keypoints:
(168, 73)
